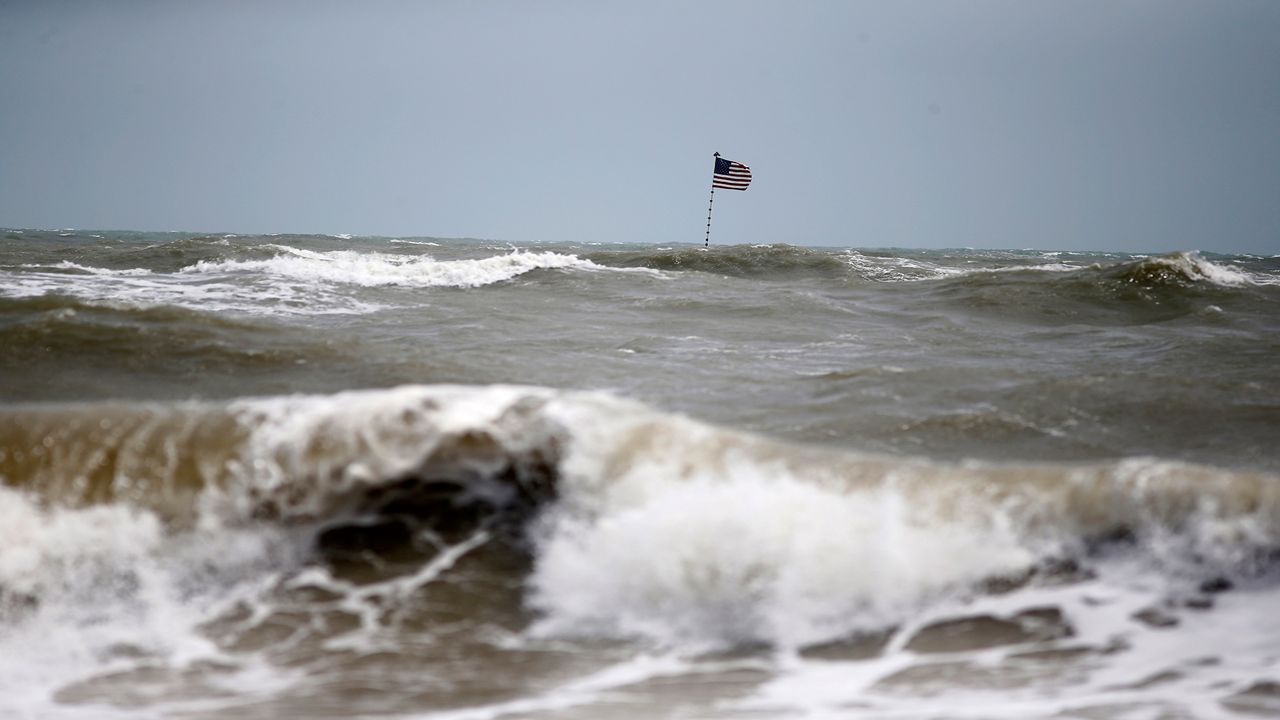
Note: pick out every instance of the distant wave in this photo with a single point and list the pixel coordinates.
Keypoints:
(891, 268)
(788, 261)
(214, 274)
(88, 270)
(124, 290)
(1174, 269)
(1187, 267)
(759, 261)
(383, 269)
(273, 278)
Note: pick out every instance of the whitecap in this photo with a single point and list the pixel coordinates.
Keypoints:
(1194, 266)
(68, 265)
(384, 269)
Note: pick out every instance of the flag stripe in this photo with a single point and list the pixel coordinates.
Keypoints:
(738, 177)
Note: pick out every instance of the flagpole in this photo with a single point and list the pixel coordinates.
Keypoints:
(710, 202)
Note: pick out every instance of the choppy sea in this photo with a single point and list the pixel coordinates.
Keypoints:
(331, 476)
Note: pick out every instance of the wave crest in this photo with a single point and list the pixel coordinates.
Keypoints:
(761, 261)
(1183, 268)
(384, 269)
(646, 524)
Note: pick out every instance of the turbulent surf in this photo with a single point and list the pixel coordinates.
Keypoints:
(266, 476)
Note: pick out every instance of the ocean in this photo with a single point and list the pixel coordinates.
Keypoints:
(331, 476)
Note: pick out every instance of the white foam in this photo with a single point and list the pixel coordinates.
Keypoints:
(129, 290)
(105, 578)
(139, 287)
(755, 556)
(576, 693)
(675, 532)
(896, 269)
(384, 269)
(1207, 657)
(1043, 267)
(1196, 267)
(679, 533)
(68, 265)
(294, 282)
(42, 547)
(903, 269)
(1190, 264)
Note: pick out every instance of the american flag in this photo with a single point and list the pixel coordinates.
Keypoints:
(731, 175)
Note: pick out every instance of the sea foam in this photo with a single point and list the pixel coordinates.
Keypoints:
(385, 269)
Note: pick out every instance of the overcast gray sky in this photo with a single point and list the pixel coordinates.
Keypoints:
(1060, 124)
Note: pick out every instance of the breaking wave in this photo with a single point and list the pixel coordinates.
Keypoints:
(273, 279)
(124, 290)
(895, 266)
(639, 524)
(1174, 269)
(384, 269)
(1185, 268)
(78, 268)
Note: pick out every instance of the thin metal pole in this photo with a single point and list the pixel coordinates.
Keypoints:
(709, 204)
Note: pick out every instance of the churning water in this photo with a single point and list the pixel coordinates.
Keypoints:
(322, 476)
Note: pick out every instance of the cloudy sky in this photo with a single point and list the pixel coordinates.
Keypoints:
(1099, 124)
